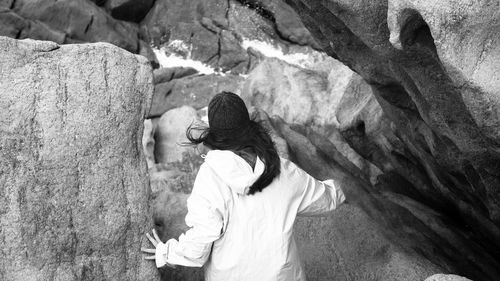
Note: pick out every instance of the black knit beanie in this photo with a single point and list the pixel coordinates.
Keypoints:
(227, 115)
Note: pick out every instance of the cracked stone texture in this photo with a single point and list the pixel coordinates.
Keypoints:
(433, 72)
(73, 178)
(215, 29)
(285, 20)
(75, 21)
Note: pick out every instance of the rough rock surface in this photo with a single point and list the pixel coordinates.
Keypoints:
(215, 30)
(201, 24)
(309, 97)
(431, 68)
(349, 244)
(296, 94)
(192, 90)
(76, 21)
(80, 21)
(285, 20)
(163, 75)
(73, 181)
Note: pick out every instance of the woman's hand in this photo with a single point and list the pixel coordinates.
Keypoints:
(155, 241)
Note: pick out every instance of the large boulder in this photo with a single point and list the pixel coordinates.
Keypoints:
(296, 94)
(76, 21)
(310, 97)
(73, 178)
(432, 72)
(80, 21)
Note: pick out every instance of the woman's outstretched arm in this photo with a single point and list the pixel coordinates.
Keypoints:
(205, 219)
(318, 197)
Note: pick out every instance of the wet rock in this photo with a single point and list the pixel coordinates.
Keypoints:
(74, 190)
(216, 30)
(198, 23)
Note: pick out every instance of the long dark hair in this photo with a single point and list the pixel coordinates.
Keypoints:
(254, 138)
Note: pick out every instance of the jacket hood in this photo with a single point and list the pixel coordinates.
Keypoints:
(234, 170)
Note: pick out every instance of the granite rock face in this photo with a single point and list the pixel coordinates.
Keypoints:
(432, 70)
(78, 21)
(215, 31)
(74, 190)
(297, 94)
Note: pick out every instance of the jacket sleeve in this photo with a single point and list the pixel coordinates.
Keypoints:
(318, 197)
(205, 219)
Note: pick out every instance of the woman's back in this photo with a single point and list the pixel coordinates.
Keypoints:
(257, 240)
(243, 205)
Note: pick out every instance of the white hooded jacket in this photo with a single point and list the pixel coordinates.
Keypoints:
(247, 237)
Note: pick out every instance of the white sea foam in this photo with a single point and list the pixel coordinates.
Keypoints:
(174, 60)
(270, 50)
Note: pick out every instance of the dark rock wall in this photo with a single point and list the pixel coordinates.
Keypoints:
(429, 144)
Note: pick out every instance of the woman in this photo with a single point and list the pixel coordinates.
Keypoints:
(244, 203)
